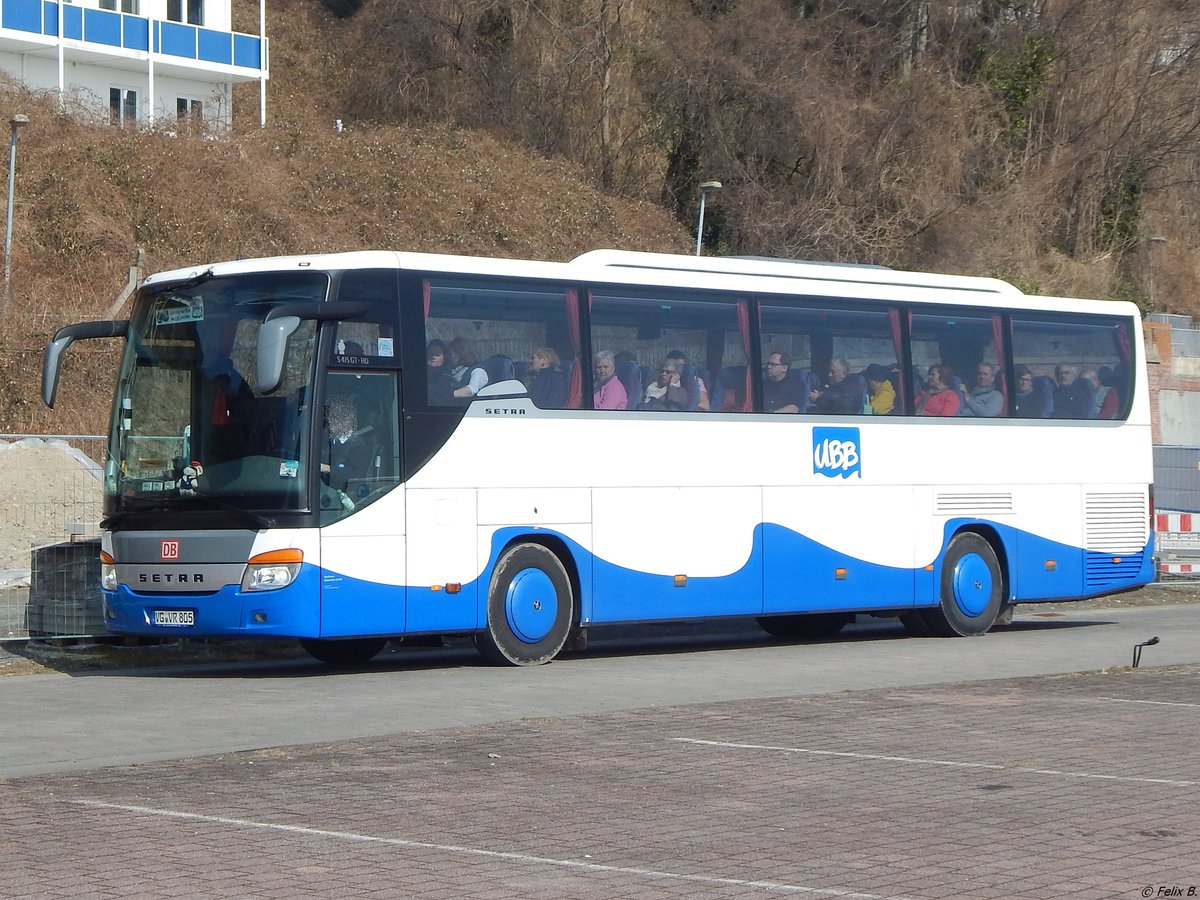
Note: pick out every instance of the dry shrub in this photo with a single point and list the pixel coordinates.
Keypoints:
(88, 196)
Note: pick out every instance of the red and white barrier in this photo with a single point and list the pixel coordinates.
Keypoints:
(1175, 523)
(1177, 536)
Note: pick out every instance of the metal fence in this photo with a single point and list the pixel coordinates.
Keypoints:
(51, 500)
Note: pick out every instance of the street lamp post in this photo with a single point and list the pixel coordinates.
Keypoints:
(705, 187)
(1151, 241)
(16, 122)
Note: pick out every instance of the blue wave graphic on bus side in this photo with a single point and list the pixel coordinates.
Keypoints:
(784, 572)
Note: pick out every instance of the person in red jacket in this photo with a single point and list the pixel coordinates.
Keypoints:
(938, 398)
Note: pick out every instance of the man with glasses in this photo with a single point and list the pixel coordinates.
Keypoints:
(781, 394)
(666, 393)
(1072, 400)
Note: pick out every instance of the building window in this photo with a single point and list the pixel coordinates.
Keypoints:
(125, 6)
(189, 110)
(195, 11)
(122, 106)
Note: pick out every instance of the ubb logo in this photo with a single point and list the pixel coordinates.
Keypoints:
(836, 452)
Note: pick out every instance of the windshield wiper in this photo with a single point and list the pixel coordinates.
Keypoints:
(186, 283)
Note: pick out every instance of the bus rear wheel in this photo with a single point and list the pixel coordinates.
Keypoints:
(813, 627)
(530, 608)
(343, 653)
(972, 589)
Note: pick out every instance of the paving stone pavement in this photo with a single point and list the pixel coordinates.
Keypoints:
(1083, 786)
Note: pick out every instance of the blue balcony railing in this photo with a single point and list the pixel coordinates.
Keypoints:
(126, 32)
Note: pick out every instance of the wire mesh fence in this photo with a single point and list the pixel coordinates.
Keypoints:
(51, 500)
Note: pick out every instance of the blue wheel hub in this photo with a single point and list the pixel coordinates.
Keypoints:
(972, 584)
(531, 605)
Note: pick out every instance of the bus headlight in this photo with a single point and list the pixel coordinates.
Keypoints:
(272, 571)
(108, 572)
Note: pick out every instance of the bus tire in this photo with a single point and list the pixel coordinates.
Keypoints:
(530, 608)
(812, 627)
(972, 589)
(343, 653)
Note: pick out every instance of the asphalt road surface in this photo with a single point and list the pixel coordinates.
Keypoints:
(71, 722)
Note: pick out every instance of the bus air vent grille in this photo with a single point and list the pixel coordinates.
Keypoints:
(972, 504)
(1105, 570)
(1116, 524)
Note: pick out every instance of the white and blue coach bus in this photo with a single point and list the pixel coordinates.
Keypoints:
(356, 447)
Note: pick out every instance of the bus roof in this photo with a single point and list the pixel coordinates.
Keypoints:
(793, 269)
(726, 273)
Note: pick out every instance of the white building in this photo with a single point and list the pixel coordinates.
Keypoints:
(144, 61)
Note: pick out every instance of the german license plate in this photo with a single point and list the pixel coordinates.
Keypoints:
(176, 617)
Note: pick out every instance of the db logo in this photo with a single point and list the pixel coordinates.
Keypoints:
(836, 452)
(170, 549)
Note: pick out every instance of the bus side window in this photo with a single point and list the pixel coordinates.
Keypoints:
(360, 458)
(488, 332)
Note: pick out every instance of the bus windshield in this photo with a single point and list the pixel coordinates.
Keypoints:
(191, 429)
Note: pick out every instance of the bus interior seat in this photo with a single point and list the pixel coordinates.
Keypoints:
(498, 368)
(1043, 392)
(630, 374)
(690, 380)
(860, 393)
(804, 377)
(648, 376)
(730, 388)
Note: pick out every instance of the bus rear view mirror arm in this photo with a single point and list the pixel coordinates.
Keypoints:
(63, 338)
(280, 324)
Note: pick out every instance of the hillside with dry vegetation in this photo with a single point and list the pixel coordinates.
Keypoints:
(1045, 142)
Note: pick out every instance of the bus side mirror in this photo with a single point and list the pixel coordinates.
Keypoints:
(272, 349)
(63, 338)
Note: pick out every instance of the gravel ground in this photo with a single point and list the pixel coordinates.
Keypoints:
(31, 658)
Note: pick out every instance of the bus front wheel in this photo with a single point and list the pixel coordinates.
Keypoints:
(530, 608)
(972, 589)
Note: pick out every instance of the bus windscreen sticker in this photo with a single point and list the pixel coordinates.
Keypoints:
(189, 309)
(836, 452)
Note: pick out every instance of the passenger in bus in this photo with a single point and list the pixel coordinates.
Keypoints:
(609, 392)
(938, 398)
(691, 380)
(437, 375)
(1072, 400)
(666, 392)
(1110, 402)
(546, 381)
(468, 377)
(1025, 403)
(983, 399)
(781, 394)
(881, 393)
(1095, 391)
(840, 395)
